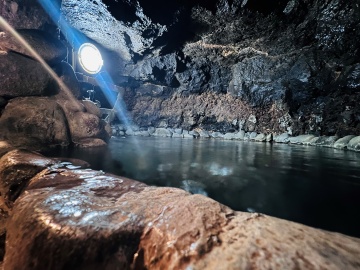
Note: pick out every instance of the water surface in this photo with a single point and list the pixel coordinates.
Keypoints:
(316, 186)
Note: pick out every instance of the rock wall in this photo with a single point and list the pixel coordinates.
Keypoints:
(298, 56)
(35, 110)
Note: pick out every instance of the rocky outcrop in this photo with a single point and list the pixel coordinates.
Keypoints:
(49, 48)
(298, 57)
(21, 76)
(35, 111)
(34, 122)
(84, 218)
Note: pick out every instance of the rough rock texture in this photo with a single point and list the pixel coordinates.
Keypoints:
(209, 111)
(300, 57)
(34, 122)
(17, 168)
(22, 76)
(86, 219)
(24, 14)
(48, 47)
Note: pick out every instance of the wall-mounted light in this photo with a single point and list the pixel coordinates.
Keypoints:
(90, 58)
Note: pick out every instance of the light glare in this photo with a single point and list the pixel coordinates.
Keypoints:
(90, 58)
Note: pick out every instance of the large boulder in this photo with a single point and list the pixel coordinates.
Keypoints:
(48, 47)
(22, 76)
(86, 219)
(33, 123)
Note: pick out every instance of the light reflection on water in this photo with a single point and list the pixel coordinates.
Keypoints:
(312, 185)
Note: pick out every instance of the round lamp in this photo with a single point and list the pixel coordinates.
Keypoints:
(90, 58)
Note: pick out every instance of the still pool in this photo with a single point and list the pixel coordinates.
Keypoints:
(315, 186)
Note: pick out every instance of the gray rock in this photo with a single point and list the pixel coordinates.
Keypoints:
(151, 130)
(354, 144)
(21, 76)
(253, 135)
(301, 139)
(343, 142)
(260, 137)
(282, 138)
(186, 134)
(122, 133)
(217, 135)
(229, 136)
(142, 133)
(178, 130)
(326, 141)
(204, 134)
(177, 135)
(130, 132)
(194, 133)
(313, 141)
(162, 132)
(269, 137)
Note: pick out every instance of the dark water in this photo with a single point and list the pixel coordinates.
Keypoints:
(316, 186)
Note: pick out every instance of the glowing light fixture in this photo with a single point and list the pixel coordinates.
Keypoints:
(90, 58)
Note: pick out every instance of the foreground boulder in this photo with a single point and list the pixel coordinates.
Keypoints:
(86, 219)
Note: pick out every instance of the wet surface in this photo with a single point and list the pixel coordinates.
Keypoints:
(315, 186)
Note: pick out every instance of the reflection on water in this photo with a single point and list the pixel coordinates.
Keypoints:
(315, 186)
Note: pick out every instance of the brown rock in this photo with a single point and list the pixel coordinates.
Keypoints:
(48, 47)
(84, 125)
(91, 107)
(16, 169)
(86, 219)
(90, 142)
(33, 123)
(5, 147)
(22, 76)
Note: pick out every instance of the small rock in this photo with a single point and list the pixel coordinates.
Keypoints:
(326, 141)
(282, 138)
(204, 134)
(194, 133)
(301, 139)
(343, 142)
(151, 130)
(354, 144)
(313, 141)
(253, 135)
(142, 133)
(91, 107)
(177, 135)
(178, 130)
(269, 137)
(217, 135)
(89, 142)
(229, 136)
(162, 132)
(260, 137)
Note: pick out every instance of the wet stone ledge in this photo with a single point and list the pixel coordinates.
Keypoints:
(68, 217)
(349, 142)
